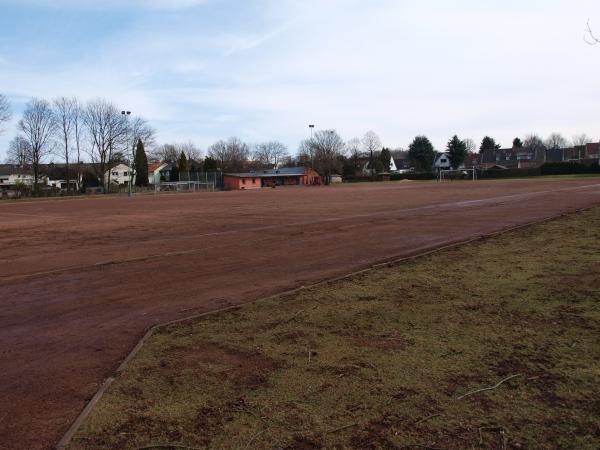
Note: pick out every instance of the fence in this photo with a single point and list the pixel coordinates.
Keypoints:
(192, 182)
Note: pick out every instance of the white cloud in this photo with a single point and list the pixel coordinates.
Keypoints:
(108, 4)
(267, 69)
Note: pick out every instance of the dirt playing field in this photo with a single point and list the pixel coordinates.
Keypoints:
(81, 280)
(401, 357)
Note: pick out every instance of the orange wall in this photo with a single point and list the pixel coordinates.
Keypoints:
(311, 177)
(237, 183)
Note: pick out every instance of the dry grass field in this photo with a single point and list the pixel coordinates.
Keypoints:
(393, 358)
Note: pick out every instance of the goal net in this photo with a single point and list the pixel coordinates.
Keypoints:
(457, 174)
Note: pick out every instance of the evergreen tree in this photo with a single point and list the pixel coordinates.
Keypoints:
(488, 143)
(174, 173)
(378, 166)
(457, 151)
(517, 143)
(183, 163)
(421, 153)
(385, 156)
(141, 165)
(210, 164)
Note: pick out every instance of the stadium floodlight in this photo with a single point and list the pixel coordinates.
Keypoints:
(126, 115)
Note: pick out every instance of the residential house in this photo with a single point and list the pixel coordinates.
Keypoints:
(472, 160)
(63, 184)
(402, 161)
(513, 158)
(158, 172)
(118, 175)
(366, 171)
(11, 176)
(442, 162)
(524, 158)
(587, 153)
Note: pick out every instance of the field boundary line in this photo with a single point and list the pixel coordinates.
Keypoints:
(389, 262)
(487, 201)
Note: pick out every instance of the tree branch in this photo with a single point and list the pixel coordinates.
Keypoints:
(590, 38)
(488, 388)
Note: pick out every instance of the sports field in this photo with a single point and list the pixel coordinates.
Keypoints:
(488, 345)
(82, 280)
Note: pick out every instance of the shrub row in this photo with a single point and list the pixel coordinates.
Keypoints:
(508, 173)
(568, 168)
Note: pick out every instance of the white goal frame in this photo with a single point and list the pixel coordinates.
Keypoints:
(445, 175)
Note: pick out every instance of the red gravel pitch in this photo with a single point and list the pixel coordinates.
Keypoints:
(81, 280)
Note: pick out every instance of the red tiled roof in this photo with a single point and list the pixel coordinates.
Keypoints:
(153, 166)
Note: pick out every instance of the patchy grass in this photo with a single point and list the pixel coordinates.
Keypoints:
(570, 177)
(381, 360)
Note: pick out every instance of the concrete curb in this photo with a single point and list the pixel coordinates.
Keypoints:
(390, 262)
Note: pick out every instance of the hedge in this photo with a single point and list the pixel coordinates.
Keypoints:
(568, 168)
(508, 173)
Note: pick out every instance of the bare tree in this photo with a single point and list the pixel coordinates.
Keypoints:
(471, 145)
(371, 144)
(556, 140)
(136, 130)
(589, 36)
(107, 132)
(19, 152)
(581, 139)
(306, 154)
(165, 153)
(78, 122)
(170, 153)
(218, 151)
(38, 126)
(231, 155)
(139, 129)
(535, 144)
(354, 150)
(328, 149)
(64, 112)
(270, 153)
(189, 149)
(579, 142)
(5, 113)
(354, 147)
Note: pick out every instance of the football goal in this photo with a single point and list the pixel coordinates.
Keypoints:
(457, 174)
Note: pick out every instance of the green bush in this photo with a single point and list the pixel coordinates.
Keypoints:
(568, 168)
(414, 176)
(508, 173)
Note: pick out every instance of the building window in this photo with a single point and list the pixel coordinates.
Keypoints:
(243, 181)
(124, 174)
(253, 180)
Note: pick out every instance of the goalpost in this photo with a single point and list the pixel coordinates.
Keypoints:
(457, 174)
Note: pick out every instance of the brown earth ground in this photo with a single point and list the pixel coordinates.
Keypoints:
(81, 280)
(391, 358)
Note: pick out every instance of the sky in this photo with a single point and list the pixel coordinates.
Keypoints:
(203, 70)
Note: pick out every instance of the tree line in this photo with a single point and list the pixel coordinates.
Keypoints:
(101, 133)
(69, 129)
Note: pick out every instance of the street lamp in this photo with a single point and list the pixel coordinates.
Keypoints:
(126, 115)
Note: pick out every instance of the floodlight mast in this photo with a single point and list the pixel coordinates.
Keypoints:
(126, 115)
(312, 163)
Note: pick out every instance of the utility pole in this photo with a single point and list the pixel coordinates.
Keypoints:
(126, 115)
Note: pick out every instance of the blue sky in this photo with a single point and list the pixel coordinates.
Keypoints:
(202, 70)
